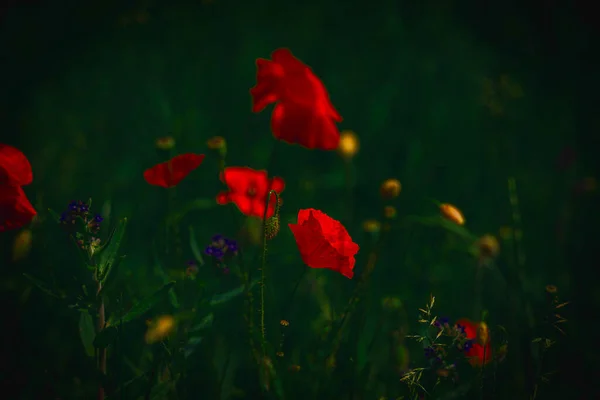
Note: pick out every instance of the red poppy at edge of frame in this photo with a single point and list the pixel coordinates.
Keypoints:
(324, 242)
(168, 174)
(248, 190)
(303, 112)
(15, 171)
(477, 352)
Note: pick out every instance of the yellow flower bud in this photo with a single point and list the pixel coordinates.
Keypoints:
(390, 189)
(349, 144)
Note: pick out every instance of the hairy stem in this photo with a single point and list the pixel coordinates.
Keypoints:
(263, 267)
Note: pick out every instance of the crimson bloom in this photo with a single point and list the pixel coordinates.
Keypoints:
(170, 173)
(478, 334)
(323, 242)
(15, 171)
(248, 190)
(303, 113)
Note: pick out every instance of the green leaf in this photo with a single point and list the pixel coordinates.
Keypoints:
(87, 332)
(143, 306)
(44, 287)
(206, 322)
(105, 337)
(109, 252)
(230, 295)
(194, 246)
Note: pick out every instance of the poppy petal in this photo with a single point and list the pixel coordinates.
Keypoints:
(303, 126)
(318, 245)
(170, 173)
(277, 184)
(268, 78)
(15, 209)
(15, 169)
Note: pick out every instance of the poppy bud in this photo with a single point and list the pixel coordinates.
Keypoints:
(22, 245)
(389, 212)
(349, 144)
(272, 227)
(488, 246)
(551, 289)
(483, 334)
(372, 226)
(452, 213)
(218, 144)
(390, 189)
(159, 329)
(165, 143)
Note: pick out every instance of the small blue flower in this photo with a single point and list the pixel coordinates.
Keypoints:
(73, 206)
(209, 250)
(429, 352)
(217, 253)
(98, 218)
(461, 329)
(84, 208)
(216, 238)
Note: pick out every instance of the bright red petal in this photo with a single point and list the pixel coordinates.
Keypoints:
(15, 209)
(15, 169)
(170, 173)
(268, 79)
(316, 250)
(240, 179)
(304, 126)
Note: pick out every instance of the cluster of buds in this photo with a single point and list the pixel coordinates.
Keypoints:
(221, 250)
(82, 225)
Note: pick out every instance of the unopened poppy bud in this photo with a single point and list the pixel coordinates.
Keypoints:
(273, 226)
(451, 213)
(389, 212)
(218, 144)
(483, 334)
(165, 143)
(371, 226)
(488, 246)
(390, 189)
(349, 144)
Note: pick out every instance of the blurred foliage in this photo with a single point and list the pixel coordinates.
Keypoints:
(452, 100)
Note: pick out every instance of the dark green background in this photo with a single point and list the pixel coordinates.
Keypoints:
(86, 90)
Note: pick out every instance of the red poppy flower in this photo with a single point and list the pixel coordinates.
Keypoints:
(15, 169)
(477, 352)
(303, 113)
(170, 173)
(324, 242)
(15, 209)
(248, 190)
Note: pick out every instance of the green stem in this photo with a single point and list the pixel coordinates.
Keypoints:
(264, 265)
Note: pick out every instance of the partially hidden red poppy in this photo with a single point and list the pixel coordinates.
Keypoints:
(170, 173)
(15, 169)
(303, 112)
(15, 209)
(324, 242)
(481, 347)
(248, 190)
